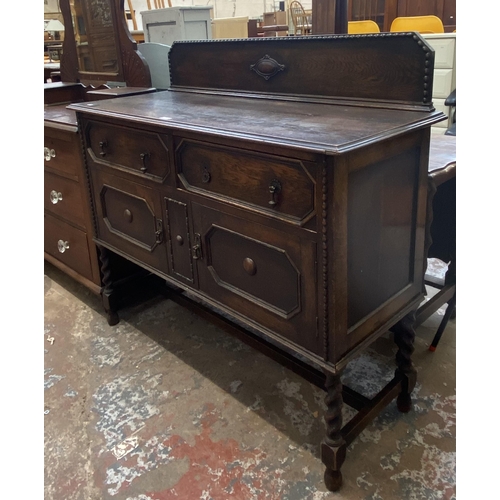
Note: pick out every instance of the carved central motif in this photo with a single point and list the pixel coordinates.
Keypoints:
(266, 67)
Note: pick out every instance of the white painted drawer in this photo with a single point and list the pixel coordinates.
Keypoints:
(444, 48)
(443, 81)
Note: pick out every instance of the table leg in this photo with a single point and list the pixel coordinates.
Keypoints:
(333, 447)
(404, 337)
(107, 289)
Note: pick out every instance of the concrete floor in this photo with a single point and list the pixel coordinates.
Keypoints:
(166, 406)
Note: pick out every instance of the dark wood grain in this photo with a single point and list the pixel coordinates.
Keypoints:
(393, 67)
(312, 127)
(301, 220)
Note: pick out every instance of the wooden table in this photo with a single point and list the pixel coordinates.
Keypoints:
(441, 220)
(283, 203)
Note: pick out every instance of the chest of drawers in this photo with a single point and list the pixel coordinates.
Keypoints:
(444, 45)
(67, 233)
(269, 190)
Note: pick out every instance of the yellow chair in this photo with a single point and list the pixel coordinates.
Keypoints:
(422, 24)
(366, 26)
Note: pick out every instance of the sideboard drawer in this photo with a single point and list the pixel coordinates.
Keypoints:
(278, 186)
(137, 151)
(63, 197)
(67, 244)
(62, 152)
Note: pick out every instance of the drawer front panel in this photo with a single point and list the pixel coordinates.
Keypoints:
(129, 218)
(443, 81)
(278, 186)
(63, 197)
(139, 152)
(268, 276)
(67, 244)
(62, 152)
(444, 51)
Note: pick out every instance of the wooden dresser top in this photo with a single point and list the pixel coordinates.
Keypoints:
(326, 94)
(317, 127)
(59, 115)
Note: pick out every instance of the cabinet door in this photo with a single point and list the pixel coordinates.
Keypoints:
(179, 241)
(129, 219)
(264, 275)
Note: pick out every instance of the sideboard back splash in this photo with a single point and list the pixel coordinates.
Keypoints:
(388, 69)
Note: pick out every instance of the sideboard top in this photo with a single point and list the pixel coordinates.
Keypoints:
(316, 127)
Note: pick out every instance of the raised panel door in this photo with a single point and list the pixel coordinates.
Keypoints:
(266, 276)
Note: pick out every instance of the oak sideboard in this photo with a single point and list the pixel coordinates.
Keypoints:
(281, 183)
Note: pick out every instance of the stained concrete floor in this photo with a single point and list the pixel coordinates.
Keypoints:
(166, 406)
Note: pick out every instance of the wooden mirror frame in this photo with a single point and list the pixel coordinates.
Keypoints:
(133, 69)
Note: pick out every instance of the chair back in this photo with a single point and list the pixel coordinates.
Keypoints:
(365, 26)
(421, 24)
(156, 55)
(130, 15)
(299, 18)
(159, 4)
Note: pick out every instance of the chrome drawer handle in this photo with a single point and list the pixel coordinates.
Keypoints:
(55, 196)
(103, 145)
(274, 189)
(49, 153)
(62, 246)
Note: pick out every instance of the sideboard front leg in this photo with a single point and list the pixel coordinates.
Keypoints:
(333, 447)
(404, 336)
(107, 289)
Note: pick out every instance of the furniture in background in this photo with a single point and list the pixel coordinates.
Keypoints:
(383, 12)
(51, 71)
(451, 102)
(156, 55)
(98, 47)
(159, 4)
(329, 17)
(230, 27)
(176, 23)
(444, 45)
(137, 34)
(367, 26)
(306, 236)
(68, 238)
(421, 24)
(300, 20)
(274, 24)
(442, 222)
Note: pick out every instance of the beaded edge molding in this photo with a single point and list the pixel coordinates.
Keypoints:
(293, 39)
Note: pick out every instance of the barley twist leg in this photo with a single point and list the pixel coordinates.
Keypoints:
(333, 447)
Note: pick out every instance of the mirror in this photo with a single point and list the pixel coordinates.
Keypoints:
(98, 47)
(94, 36)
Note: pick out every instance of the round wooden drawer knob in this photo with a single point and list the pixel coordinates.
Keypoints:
(128, 215)
(249, 266)
(180, 240)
